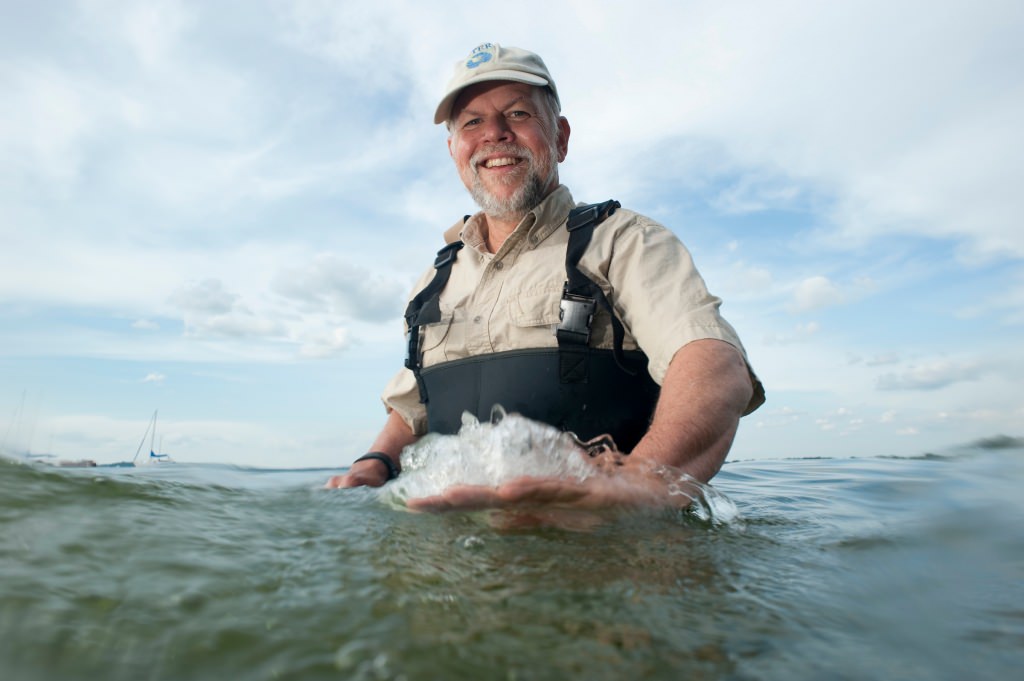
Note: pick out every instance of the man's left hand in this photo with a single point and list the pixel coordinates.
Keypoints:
(611, 487)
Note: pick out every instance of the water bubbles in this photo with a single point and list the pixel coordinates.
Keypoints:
(362, 659)
(189, 601)
(471, 542)
(714, 507)
(508, 447)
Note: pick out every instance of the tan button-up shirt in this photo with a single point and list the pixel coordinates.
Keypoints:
(509, 300)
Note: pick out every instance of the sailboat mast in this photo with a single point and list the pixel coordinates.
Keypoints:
(152, 436)
(152, 424)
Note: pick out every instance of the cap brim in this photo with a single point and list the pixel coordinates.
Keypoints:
(445, 107)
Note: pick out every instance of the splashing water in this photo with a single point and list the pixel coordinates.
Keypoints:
(511, 446)
(710, 505)
(508, 447)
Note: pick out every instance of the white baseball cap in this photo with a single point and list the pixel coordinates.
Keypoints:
(491, 61)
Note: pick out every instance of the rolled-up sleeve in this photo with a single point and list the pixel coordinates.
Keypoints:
(402, 395)
(660, 296)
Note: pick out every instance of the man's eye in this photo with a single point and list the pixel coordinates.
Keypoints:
(519, 114)
(471, 122)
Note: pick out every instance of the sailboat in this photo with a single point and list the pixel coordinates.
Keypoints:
(153, 456)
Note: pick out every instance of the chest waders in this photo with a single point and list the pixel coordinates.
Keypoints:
(573, 387)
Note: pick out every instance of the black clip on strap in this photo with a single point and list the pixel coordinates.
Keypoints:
(447, 254)
(594, 213)
(581, 296)
(575, 314)
(425, 308)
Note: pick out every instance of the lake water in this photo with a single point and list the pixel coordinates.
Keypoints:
(864, 568)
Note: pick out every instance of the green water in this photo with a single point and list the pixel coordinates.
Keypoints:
(838, 569)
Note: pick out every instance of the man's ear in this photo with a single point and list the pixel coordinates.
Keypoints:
(563, 137)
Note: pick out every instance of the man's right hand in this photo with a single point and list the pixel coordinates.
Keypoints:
(394, 437)
(367, 473)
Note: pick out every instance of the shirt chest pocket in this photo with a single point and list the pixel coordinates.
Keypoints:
(432, 335)
(533, 316)
(435, 337)
(467, 327)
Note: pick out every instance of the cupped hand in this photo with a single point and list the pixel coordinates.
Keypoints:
(612, 486)
(361, 474)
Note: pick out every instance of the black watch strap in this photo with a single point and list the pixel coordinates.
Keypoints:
(383, 458)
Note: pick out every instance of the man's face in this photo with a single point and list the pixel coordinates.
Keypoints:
(505, 148)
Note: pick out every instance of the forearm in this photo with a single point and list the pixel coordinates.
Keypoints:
(704, 393)
(393, 438)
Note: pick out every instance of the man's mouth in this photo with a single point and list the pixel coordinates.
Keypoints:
(499, 162)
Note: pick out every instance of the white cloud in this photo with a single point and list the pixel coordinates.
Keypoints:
(153, 29)
(746, 281)
(206, 296)
(801, 333)
(883, 359)
(914, 136)
(1007, 304)
(48, 113)
(932, 376)
(343, 288)
(325, 344)
(815, 293)
(753, 193)
(767, 417)
(371, 57)
(209, 309)
(239, 323)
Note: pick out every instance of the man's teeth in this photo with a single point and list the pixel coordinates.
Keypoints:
(496, 162)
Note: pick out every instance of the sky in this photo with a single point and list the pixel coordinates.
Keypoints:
(216, 210)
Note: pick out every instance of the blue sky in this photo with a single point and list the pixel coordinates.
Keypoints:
(217, 209)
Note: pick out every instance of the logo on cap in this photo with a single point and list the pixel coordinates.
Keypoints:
(480, 55)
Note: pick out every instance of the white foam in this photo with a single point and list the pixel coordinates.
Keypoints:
(511, 446)
(489, 454)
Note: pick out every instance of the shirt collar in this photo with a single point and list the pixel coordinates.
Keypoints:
(549, 215)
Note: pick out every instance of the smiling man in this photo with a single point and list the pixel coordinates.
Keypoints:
(591, 318)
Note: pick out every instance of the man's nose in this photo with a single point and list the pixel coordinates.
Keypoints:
(497, 129)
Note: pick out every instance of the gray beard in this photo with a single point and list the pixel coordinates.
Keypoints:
(528, 196)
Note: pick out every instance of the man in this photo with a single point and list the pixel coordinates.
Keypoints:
(573, 319)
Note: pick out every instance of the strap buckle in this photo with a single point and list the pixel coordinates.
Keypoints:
(576, 313)
(590, 214)
(412, 348)
(580, 217)
(447, 254)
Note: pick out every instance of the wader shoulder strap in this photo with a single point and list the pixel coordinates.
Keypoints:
(425, 308)
(581, 296)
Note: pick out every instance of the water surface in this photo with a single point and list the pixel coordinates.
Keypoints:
(842, 569)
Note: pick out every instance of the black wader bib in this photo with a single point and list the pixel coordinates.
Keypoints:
(573, 387)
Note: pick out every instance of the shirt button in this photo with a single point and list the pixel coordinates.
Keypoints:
(533, 239)
(476, 319)
(499, 265)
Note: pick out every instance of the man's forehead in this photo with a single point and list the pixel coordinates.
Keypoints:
(505, 91)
